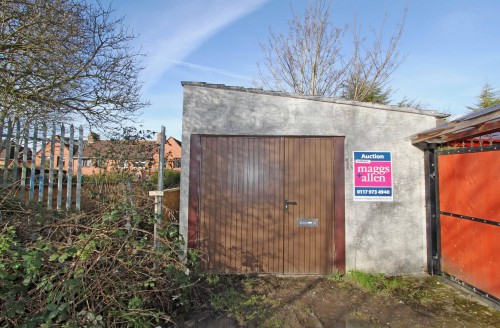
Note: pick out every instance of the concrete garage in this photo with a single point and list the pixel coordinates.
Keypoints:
(269, 185)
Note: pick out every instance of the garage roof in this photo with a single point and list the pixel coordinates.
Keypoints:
(318, 98)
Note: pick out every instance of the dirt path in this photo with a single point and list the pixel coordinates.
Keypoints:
(339, 301)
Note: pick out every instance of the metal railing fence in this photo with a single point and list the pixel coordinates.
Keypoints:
(25, 163)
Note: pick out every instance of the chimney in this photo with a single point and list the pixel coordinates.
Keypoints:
(158, 138)
(93, 137)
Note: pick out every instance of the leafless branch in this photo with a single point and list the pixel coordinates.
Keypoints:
(67, 58)
(312, 58)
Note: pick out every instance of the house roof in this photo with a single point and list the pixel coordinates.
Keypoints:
(19, 155)
(317, 98)
(115, 149)
(66, 144)
(478, 123)
(131, 149)
(176, 140)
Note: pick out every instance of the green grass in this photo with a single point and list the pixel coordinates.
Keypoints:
(404, 288)
(374, 282)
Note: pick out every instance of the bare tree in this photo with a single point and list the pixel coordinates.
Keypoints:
(312, 59)
(67, 58)
(308, 60)
(411, 102)
(371, 66)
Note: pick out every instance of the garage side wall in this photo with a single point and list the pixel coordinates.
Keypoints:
(386, 237)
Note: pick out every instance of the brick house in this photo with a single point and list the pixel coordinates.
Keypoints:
(20, 154)
(173, 150)
(141, 156)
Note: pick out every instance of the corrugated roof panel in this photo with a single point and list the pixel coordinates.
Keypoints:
(478, 113)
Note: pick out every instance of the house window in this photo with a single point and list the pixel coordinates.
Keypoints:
(177, 163)
(87, 162)
(58, 159)
(139, 164)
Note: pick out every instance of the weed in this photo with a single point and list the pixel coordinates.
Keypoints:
(374, 282)
(411, 291)
(212, 279)
(336, 276)
(229, 300)
(273, 323)
(359, 315)
(237, 298)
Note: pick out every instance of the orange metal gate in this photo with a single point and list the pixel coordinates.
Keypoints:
(469, 207)
(267, 204)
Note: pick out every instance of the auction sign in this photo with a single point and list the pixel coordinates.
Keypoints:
(373, 176)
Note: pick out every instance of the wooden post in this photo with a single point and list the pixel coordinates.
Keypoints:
(158, 195)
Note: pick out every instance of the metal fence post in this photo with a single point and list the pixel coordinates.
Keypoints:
(25, 161)
(79, 169)
(60, 175)
(7, 153)
(33, 165)
(69, 182)
(16, 143)
(1, 133)
(51, 167)
(42, 163)
(158, 194)
(15, 158)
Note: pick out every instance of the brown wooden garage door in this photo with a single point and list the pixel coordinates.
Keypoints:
(267, 204)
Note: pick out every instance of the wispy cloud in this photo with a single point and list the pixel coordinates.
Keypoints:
(181, 27)
(210, 69)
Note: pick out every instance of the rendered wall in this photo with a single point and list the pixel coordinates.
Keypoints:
(384, 237)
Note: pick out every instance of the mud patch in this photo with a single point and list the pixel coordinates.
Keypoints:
(339, 301)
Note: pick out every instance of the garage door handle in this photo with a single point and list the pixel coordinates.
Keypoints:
(289, 202)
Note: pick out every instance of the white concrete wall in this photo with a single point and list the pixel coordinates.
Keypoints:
(386, 237)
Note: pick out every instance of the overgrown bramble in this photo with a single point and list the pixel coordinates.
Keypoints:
(94, 270)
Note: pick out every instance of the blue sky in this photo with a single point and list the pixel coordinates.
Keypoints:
(452, 46)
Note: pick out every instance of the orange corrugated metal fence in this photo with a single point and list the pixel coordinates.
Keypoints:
(470, 218)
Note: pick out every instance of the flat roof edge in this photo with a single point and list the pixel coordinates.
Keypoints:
(427, 112)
